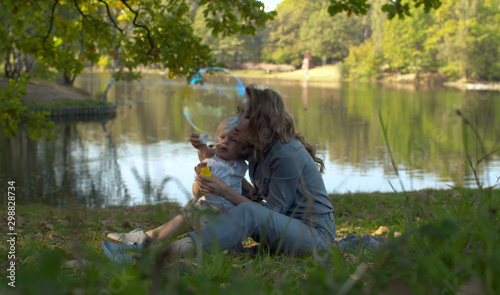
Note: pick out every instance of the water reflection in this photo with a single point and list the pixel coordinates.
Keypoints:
(143, 155)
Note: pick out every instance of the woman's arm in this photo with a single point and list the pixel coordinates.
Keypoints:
(218, 187)
(286, 181)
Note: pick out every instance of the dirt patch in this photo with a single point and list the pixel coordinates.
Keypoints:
(44, 92)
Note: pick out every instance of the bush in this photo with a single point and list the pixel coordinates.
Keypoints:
(13, 113)
(362, 62)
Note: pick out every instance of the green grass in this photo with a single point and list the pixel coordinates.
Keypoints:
(451, 243)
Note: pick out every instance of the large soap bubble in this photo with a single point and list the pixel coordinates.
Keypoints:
(211, 96)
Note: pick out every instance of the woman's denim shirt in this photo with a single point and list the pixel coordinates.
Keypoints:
(290, 182)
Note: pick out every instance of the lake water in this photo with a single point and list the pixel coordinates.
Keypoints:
(144, 156)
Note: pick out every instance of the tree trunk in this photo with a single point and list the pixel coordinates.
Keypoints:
(16, 65)
(7, 67)
(68, 80)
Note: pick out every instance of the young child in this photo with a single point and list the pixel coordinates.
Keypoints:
(226, 164)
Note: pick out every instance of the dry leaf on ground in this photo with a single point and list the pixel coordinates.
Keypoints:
(381, 230)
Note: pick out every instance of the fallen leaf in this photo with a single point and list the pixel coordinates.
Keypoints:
(76, 263)
(395, 286)
(20, 221)
(352, 258)
(127, 223)
(108, 221)
(345, 215)
(472, 287)
(190, 263)
(381, 230)
(63, 222)
(78, 291)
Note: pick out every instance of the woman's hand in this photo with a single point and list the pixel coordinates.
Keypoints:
(251, 193)
(250, 190)
(213, 185)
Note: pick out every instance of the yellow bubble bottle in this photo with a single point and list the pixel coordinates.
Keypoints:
(205, 171)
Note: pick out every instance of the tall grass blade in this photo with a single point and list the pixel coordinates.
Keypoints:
(387, 144)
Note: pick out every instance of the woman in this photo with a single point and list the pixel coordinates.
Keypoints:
(297, 216)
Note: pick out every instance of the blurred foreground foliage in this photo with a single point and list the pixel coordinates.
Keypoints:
(450, 246)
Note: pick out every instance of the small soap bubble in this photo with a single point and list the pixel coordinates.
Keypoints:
(211, 96)
(204, 138)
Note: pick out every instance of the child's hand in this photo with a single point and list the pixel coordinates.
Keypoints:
(198, 167)
(203, 151)
(196, 141)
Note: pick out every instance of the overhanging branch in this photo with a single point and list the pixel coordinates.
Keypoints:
(111, 17)
(51, 22)
(136, 13)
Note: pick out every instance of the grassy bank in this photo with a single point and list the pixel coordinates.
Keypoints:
(52, 95)
(446, 242)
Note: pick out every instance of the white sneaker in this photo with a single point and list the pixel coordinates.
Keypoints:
(137, 236)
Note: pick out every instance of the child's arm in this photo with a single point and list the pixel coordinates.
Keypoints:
(196, 190)
(203, 151)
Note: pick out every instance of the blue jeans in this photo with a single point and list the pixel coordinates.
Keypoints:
(281, 233)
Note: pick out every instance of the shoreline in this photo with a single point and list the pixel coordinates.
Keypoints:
(41, 94)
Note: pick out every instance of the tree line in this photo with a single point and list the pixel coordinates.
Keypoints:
(461, 39)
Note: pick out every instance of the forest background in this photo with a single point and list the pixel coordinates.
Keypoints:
(461, 39)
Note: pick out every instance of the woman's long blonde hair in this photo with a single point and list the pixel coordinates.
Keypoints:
(270, 121)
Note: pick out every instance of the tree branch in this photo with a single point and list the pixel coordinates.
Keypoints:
(51, 22)
(151, 43)
(79, 10)
(110, 17)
